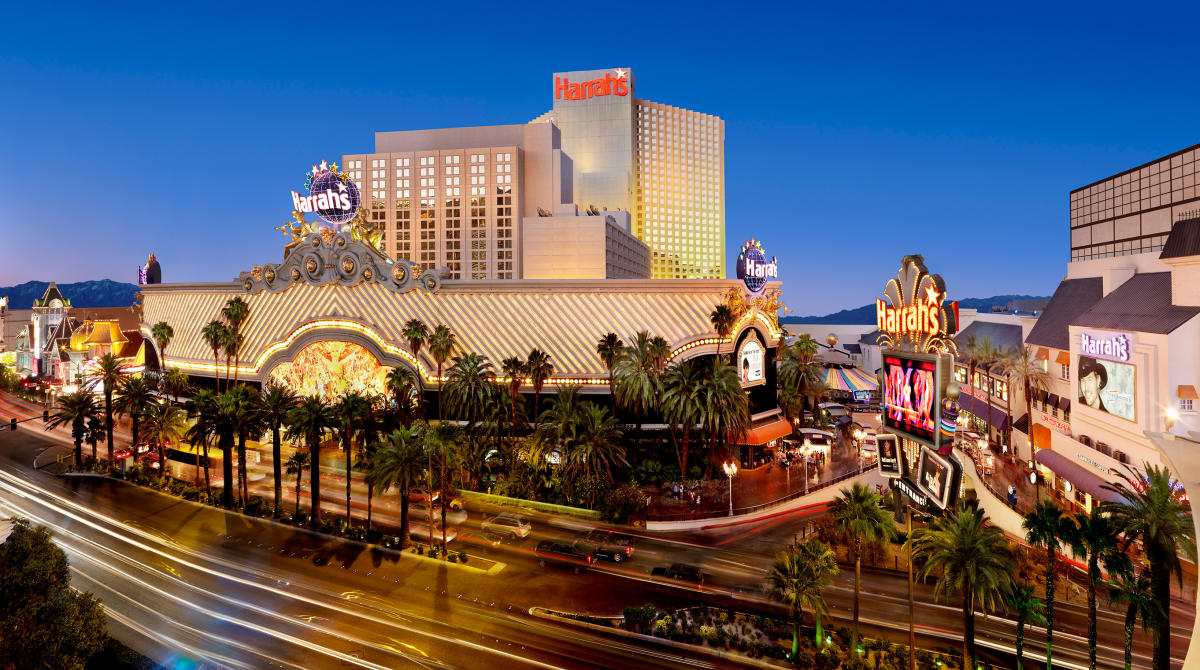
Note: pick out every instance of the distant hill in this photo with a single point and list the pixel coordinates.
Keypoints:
(865, 315)
(97, 293)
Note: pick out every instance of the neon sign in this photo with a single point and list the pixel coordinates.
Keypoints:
(593, 88)
(331, 194)
(1115, 347)
(912, 310)
(753, 268)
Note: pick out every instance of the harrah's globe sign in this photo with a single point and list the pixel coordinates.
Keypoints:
(753, 268)
(332, 195)
(609, 84)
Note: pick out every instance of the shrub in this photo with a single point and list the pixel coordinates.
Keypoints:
(664, 625)
(803, 659)
(462, 557)
(452, 557)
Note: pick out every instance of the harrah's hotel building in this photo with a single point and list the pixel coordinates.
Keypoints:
(604, 185)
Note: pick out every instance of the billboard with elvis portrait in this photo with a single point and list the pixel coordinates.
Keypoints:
(912, 396)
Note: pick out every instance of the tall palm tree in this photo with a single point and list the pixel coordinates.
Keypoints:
(1049, 528)
(608, 348)
(203, 404)
(514, 368)
(441, 345)
(988, 355)
(248, 422)
(397, 463)
(231, 344)
(1096, 538)
(726, 408)
(307, 422)
(539, 368)
(659, 352)
(1028, 609)
(468, 387)
(296, 465)
(596, 448)
(162, 334)
(682, 404)
(415, 333)
(348, 415)
(798, 578)
(859, 515)
(722, 318)
(134, 397)
(165, 423)
(1025, 368)
(1155, 513)
(77, 409)
(217, 421)
(276, 402)
(108, 373)
(1137, 595)
(236, 311)
(637, 382)
(440, 446)
(95, 432)
(175, 383)
(402, 385)
(797, 371)
(969, 556)
(214, 336)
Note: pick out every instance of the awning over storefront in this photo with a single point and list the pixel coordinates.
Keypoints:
(1064, 358)
(764, 433)
(1022, 424)
(1188, 392)
(1064, 404)
(972, 405)
(1041, 436)
(1052, 399)
(1084, 479)
(850, 379)
(1043, 353)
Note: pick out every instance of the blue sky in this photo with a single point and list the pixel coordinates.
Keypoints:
(853, 136)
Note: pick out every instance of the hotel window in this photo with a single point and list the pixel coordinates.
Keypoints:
(428, 160)
(402, 162)
(1064, 372)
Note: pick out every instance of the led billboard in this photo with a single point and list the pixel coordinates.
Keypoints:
(912, 396)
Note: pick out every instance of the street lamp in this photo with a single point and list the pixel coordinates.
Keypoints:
(805, 451)
(730, 469)
(1172, 417)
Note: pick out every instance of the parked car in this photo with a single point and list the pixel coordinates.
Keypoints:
(420, 532)
(606, 544)
(509, 525)
(563, 554)
(680, 571)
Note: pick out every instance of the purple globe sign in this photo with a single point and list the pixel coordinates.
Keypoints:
(753, 268)
(332, 198)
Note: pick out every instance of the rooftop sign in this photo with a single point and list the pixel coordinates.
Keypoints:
(753, 268)
(1113, 346)
(331, 194)
(912, 309)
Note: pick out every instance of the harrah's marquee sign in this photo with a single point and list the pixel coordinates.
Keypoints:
(609, 84)
(913, 309)
(1111, 346)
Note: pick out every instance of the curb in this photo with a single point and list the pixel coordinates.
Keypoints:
(549, 615)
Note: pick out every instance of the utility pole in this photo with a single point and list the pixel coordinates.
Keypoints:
(912, 636)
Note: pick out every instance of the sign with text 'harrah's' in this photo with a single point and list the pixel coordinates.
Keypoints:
(1113, 346)
(610, 84)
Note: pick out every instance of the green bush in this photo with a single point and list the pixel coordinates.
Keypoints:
(622, 504)
(462, 557)
(452, 557)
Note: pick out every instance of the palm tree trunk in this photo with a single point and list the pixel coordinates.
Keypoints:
(277, 456)
(346, 448)
(820, 633)
(314, 487)
(430, 493)
(1094, 573)
(370, 494)
(857, 583)
(403, 517)
(226, 445)
(77, 433)
(1020, 638)
(1129, 620)
(108, 423)
(243, 489)
(1050, 608)
(162, 460)
(442, 497)
(1160, 586)
(134, 426)
(196, 478)
(207, 481)
(968, 632)
(217, 369)
(299, 478)
(796, 631)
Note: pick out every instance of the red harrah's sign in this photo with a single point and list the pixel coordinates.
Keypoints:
(582, 90)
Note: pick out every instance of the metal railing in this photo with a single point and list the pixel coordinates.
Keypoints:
(719, 513)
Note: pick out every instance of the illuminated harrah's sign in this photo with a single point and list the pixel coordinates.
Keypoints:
(913, 314)
(922, 316)
(331, 194)
(321, 201)
(593, 88)
(1115, 347)
(753, 268)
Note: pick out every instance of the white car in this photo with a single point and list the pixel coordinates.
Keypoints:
(509, 525)
(421, 513)
(420, 531)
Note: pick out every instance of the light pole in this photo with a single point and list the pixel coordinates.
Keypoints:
(805, 451)
(730, 468)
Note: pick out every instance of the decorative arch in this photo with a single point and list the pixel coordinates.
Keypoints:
(338, 347)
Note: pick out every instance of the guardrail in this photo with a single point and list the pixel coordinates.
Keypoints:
(737, 511)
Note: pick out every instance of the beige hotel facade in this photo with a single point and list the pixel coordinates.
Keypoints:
(604, 185)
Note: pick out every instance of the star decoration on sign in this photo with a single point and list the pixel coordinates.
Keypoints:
(620, 73)
(931, 294)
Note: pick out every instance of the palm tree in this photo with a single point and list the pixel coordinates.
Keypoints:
(232, 345)
(441, 345)
(401, 384)
(637, 382)
(165, 423)
(236, 311)
(797, 371)
(468, 387)
(439, 444)
(682, 404)
(217, 421)
(416, 333)
(859, 515)
(1137, 595)
(77, 409)
(797, 579)
(108, 373)
(134, 398)
(1047, 527)
(308, 422)
(214, 336)
(276, 402)
(162, 334)
(1096, 538)
(95, 432)
(514, 368)
(397, 463)
(539, 368)
(987, 355)
(968, 556)
(726, 408)
(1029, 609)
(722, 318)
(348, 415)
(203, 404)
(247, 422)
(1155, 513)
(597, 448)
(608, 348)
(660, 351)
(296, 465)
(175, 383)
(1025, 369)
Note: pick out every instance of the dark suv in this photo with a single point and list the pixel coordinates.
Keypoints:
(563, 554)
(606, 544)
(680, 571)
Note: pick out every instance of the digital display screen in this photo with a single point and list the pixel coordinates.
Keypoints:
(750, 365)
(911, 397)
(933, 475)
(889, 455)
(1107, 386)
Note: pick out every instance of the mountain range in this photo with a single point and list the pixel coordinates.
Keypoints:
(96, 293)
(865, 315)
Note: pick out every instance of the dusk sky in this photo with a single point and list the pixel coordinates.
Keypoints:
(852, 135)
